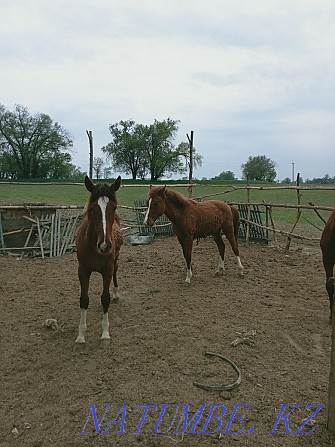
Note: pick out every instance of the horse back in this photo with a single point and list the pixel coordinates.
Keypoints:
(210, 217)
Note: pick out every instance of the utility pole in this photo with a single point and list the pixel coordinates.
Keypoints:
(190, 175)
(293, 172)
(90, 139)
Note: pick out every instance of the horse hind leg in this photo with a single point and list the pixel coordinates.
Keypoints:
(187, 251)
(84, 277)
(233, 242)
(221, 247)
(105, 301)
(116, 294)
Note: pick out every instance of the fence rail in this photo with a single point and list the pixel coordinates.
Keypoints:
(251, 221)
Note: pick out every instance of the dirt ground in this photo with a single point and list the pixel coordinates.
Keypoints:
(273, 323)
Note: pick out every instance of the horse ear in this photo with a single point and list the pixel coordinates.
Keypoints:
(89, 184)
(116, 185)
(161, 191)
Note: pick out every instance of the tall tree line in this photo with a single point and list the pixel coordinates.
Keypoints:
(33, 146)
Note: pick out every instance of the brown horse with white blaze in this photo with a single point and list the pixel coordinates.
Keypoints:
(98, 240)
(327, 244)
(192, 220)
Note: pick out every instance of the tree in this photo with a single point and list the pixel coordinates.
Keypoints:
(98, 166)
(161, 157)
(139, 149)
(183, 149)
(259, 168)
(225, 176)
(26, 142)
(126, 150)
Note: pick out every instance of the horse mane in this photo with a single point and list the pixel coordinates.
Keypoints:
(177, 199)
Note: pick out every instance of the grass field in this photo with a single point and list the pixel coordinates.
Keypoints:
(77, 195)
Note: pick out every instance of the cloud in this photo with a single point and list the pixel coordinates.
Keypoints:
(250, 77)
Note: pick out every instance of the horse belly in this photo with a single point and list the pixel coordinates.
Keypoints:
(207, 226)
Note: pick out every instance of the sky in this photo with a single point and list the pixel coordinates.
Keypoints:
(249, 78)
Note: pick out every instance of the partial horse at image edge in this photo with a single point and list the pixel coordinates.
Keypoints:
(192, 220)
(327, 244)
(98, 240)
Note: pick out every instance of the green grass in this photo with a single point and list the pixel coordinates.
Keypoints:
(77, 195)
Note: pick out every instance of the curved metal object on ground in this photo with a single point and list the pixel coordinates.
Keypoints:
(222, 387)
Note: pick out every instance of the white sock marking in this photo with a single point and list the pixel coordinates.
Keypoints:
(82, 326)
(188, 276)
(221, 265)
(105, 327)
(116, 294)
(239, 265)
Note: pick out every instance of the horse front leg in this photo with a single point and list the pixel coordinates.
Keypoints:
(116, 295)
(187, 244)
(105, 301)
(84, 279)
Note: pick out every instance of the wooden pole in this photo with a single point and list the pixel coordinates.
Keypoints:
(90, 140)
(2, 242)
(331, 389)
(190, 175)
(288, 243)
(273, 227)
(247, 235)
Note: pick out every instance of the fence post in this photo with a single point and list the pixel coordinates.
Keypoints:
(190, 176)
(247, 234)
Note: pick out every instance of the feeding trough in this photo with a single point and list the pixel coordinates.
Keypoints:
(136, 239)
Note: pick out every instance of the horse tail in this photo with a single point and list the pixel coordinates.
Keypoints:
(236, 220)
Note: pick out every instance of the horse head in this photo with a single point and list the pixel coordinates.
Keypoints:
(101, 212)
(156, 204)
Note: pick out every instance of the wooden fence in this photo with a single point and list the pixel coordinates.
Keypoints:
(256, 217)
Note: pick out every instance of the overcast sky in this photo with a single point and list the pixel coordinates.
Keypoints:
(249, 77)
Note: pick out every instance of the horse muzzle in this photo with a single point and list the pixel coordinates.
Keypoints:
(104, 248)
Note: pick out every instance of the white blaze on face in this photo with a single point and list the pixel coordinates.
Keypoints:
(102, 202)
(147, 213)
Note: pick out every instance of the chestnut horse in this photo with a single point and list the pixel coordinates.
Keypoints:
(192, 220)
(327, 244)
(98, 241)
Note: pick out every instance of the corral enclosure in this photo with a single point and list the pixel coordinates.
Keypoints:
(273, 323)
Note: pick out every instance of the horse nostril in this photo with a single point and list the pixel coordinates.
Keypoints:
(105, 248)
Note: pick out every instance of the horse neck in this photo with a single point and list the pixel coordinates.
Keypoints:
(172, 211)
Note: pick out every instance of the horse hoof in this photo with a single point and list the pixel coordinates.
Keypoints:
(219, 273)
(79, 348)
(105, 342)
(116, 299)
